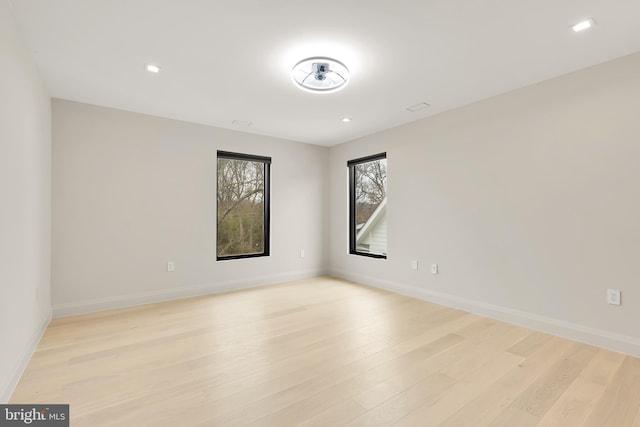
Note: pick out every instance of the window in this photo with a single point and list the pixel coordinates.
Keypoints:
(243, 206)
(368, 206)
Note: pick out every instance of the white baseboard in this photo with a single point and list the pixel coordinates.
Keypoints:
(597, 337)
(120, 301)
(6, 390)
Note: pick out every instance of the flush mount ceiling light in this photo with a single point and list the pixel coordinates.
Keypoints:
(346, 119)
(152, 68)
(320, 74)
(584, 25)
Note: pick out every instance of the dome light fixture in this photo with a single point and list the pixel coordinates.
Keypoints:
(320, 74)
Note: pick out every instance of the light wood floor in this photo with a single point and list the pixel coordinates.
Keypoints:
(322, 352)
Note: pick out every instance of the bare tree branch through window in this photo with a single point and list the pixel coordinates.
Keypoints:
(367, 207)
(241, 207)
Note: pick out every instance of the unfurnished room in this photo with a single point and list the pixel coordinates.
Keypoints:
(300, 213)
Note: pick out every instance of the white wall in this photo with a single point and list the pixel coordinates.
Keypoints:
(529, 202)
(25, 204)
(131, 192)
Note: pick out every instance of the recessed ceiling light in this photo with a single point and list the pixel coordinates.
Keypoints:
(241, 123)
(346, 119)
(418, 107)
(320, 74)
(584, 25)
(152, 68)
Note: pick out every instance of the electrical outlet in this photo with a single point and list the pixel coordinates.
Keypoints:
(434, 268)
(613, 297)
(171, 266)
(414, 264)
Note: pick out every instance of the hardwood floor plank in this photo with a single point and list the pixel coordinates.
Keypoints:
(225, 409)
(321, 352)
(636, 421)
(620, 402)
(483, 409)
(383, 382)
(487, 343)
(529, 344)
(531, 405)
(332, 385)
(576, 404)
(403, 403)
(335, 415)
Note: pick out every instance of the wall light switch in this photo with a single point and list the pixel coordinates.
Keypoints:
(301, 253)
(171, 266)
(414, 264)
(434, 268)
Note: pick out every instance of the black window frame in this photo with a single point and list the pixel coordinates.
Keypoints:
(267, 202)
(351, 164)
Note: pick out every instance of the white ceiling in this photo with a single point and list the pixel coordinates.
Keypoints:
(226, 60)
